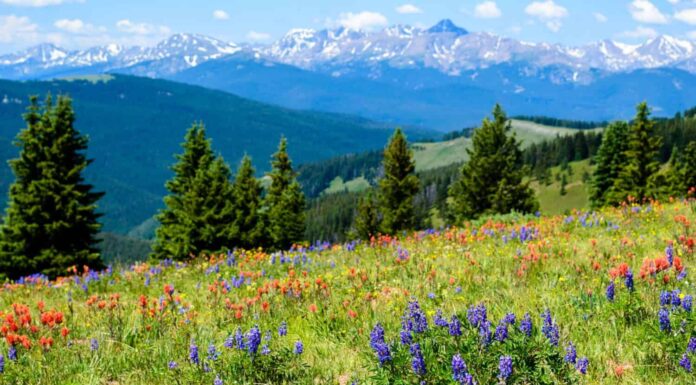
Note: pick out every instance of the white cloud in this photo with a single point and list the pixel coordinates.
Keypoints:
(38, 3)
(687, 16)
(549, 12)
(128, 26)
(361, 20)
(408, 9)
(646, 12)
(219, 14)
(546, 10)
(258, 36)
(673, 1)
(17, 29)
(77, 26)
(600, 17)
(691, 35)
(487, 10)
(640, 32)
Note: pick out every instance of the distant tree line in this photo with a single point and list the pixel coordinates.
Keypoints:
(555, 122)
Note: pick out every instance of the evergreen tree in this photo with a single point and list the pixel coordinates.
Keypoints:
(636, 177)
(398, 186)
(688, 165)
(610, 158)
(564, 183)
(367, 221)
(249, 221)
(285, 201)
(51, 220)
(199, 211)
(492, 180)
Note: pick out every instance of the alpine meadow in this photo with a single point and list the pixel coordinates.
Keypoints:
(364, 193)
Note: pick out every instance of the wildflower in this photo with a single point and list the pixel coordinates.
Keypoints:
(687, 303)
(681, 275)
(663, 316)
(2, 364)
(685, 362)
(439, 320)
(526, 325)
(571, 354)
(629, 280)
(253, 340)
(212, 353)
(283, 329)
(299, 348)
(376, 335)
(455, 327)
(173, 365)
(12, 353)
(265, 350)
(418, 362)
(476, 315)
(485, 333)
(378, 344)
(501, 332)
(611, 291)
(419, 322)
(549, 328)
(691, 347)
(669, 253)
(665, 298)
(93, 344)
(509, 318)
(193, 353)
(676, 300)
(218, 380)
(581, 365)
(505, 367)
(459, 370)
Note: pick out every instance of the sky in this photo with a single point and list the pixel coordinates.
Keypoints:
(77, 24)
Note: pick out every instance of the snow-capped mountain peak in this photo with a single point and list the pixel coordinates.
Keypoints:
(447, 26)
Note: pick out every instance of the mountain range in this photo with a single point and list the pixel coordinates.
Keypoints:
(443, 77)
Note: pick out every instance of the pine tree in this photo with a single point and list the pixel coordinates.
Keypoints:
(285, 202)
(51, 221)
(564, 183)
(249, 220)
(199, 211)
(492, 180)
(398, 186)
(688, 165)
(610, 158)
(642, 164)
(367, 221)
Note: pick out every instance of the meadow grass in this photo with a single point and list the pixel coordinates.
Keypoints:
(137, 325)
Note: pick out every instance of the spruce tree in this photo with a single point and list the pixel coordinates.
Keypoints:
(688, 166)
(285, 202)
(199, 211)
(398, 186)
(610, 158)
(51, 221)
(492, 180)
(248, 221)
(636, 176)
(564, 183)
(367, 221)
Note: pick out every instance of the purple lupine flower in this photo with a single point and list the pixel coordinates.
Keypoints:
(439, 320)
(611, 290)
(477, 315)
(239, 339)
(299, 347)
(218, 380)
(509, 318)
(685, 362)
(93, 344)
(581, 365)
(676, 300)
(406, 337)
(485, 332)
(229, 342)
(417, 362)
(265, 350)
(455, 327)
(682, 274)
(213, 354)
(2, 364)
(687, 303)
(526, 325)
(172, 365)
(669, 253)
(663, 317)
(501, 332)
(193, 353)
(629, 280)
(12, 353)
(253, 340)
(459, 370)
(571, 354)
(418, 318)
(549, 328)
(691, 347)
(283, 329)
(505, 367)
(665, 298)
(378, 344)
(376, 335)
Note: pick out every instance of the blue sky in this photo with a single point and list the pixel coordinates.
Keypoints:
(82, 23)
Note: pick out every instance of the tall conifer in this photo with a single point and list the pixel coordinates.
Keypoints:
(610, 158)
(51, 221)
(249, 221)
(398, 186)
(285, 201)
(367, 221)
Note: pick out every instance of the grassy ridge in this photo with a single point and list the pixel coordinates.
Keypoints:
(138, 325)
